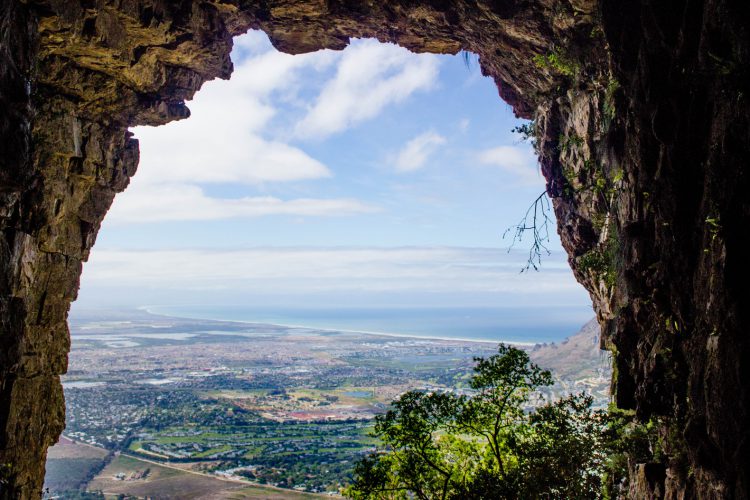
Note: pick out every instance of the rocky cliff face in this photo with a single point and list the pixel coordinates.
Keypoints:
(641, 113)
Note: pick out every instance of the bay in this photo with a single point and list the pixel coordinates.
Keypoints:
(523, 325)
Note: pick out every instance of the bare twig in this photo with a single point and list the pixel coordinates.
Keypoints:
(537, 221)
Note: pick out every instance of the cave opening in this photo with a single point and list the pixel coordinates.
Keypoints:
(640, 112)
(368, 148)
(362, 190)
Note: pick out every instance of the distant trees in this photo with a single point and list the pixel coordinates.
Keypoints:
(487, 444)
(75, 495)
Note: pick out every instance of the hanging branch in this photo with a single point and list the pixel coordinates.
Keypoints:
(537, 221)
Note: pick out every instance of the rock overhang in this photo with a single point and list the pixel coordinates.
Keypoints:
(632, 106)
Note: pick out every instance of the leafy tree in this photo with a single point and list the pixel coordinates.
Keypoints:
(486, 444)
(503, 384)
(561, 450)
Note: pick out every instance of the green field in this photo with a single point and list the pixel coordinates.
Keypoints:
(313, 455)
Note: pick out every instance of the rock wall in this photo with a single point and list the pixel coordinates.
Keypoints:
(641, 113)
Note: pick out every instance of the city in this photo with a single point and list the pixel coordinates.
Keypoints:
(262, 404)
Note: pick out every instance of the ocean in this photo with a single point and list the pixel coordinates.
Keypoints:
(526, 325)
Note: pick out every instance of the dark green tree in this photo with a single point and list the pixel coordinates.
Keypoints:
(561, 450)
(489, 444)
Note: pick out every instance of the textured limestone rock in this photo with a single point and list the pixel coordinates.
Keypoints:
(642, 121)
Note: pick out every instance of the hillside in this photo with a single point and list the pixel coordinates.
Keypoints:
(577, 362)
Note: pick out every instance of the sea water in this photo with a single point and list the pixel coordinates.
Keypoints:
(527, 325)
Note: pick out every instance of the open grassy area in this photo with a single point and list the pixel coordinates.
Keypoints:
(65, 474)
(67, 448)
(70, 465)
(164, 482)
(263, 493)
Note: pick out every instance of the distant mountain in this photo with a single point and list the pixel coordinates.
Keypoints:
(577, 362)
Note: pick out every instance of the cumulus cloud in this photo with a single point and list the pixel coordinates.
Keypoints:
(229, 140)
(370, 76)
(518, 161)
(180, 202)
(415, 153)
(231, 156)
(223, 140)
(230, 137)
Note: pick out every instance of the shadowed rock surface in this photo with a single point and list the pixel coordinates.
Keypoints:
(641, 112)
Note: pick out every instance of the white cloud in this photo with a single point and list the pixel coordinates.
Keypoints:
(223, 139)
(415, 153)
(229, 156)
(370, 76)
(304, 270)
(227, 141)
(230, 139)
(176, 202)
(519, 161)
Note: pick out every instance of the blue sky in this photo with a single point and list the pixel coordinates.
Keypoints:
(366, 176)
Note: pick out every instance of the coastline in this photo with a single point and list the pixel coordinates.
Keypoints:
(348, 331)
